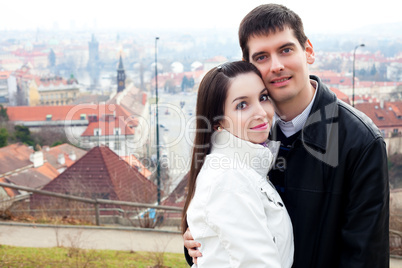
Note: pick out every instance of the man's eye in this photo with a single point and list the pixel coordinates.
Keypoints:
(287, 50)
(241, 105)
(261, 58)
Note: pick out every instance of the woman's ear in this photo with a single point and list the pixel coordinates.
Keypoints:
(310, 54)
(218, 128)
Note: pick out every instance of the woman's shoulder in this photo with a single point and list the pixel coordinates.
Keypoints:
(224, 173)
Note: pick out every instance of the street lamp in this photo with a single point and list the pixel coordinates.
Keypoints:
(158, 171)
(353, 80)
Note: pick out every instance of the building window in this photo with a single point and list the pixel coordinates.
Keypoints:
(117, 131)
(49, 117)
(97, 132)
(117, 145)
(83, 116)
(395, 133)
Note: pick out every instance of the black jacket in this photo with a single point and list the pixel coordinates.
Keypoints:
(337, 191)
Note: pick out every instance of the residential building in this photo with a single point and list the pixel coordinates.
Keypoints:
(55, 91)
(62, 156)
(177, 198)
(36, 57)
(100, 174)
(117, 133)
(20, 92)
(9, 62)
(387, 116)
(85, 125)
(4, 86)
(213, 62)
(22, 166)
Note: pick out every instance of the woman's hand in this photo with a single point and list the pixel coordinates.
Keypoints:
(192, 246)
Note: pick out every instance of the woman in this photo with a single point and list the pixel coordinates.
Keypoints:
(231, 208)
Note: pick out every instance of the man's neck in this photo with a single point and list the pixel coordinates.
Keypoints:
(288, 110)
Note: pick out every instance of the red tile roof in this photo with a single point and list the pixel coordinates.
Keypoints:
(46, 82)
(340, 95)
(34, 177)
(389, 115)
(4, 75)
(177, 198)
(107, 127)
(102, 174)
(9, 191)
(217, 59)
(134, 162)
(52, 153)
(66, 112)
(14, 156)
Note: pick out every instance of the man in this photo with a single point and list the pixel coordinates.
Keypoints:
(331, 170)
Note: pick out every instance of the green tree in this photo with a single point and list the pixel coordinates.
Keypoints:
(22, 134)
(184, 83)
(3, 114)
(3, 137)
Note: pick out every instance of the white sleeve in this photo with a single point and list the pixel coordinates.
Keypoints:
(236, 213)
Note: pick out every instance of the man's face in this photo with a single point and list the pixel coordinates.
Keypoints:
(283, 64)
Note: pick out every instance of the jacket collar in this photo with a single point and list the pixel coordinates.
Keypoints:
(257, 156)
(322, 114)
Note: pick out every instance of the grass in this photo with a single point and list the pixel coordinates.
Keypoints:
(74, 257)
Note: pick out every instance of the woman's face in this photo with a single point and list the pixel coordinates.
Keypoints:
(248, 112)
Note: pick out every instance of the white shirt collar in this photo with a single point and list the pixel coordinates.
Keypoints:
(289, 128)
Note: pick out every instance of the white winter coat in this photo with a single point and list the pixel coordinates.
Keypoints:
(236, 214)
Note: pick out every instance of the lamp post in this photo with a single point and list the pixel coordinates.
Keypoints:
(158, 172)
(353, 80)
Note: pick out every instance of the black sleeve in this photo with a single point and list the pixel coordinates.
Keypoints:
(188, 258)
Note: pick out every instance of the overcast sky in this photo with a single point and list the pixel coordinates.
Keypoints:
(318, 16)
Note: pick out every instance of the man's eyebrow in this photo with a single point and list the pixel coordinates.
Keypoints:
(288, 44)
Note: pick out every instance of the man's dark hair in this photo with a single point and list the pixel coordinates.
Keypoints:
(267, 19)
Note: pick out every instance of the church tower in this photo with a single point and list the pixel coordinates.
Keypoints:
(93, 66)
(121, 76)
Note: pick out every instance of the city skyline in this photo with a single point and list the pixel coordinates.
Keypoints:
(333, 17)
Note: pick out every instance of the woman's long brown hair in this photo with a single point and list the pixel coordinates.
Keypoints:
(209, 111)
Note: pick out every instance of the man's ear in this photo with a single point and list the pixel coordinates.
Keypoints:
(310, 54)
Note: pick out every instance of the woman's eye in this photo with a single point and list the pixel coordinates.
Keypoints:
(264, 97)
(241, 105)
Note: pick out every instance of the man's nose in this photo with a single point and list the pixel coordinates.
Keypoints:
(276, 64)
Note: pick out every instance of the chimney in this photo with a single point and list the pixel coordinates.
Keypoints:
(37, 159)
(72, 156)
(382, 104)
(60, 159)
